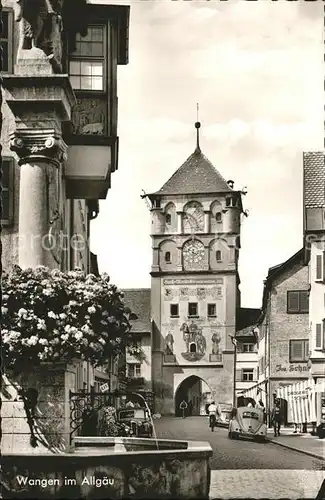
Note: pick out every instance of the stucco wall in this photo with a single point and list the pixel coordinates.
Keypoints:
(285, 327)
(246, 361)
(218, 378)
(181, 290)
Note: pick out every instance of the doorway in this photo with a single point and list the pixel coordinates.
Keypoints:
(196, 393)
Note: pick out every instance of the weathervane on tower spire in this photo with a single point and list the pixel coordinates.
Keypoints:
(197, 126)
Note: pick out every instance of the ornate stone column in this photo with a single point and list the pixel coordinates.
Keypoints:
(39, 104)
(179, 222)
(38, 150)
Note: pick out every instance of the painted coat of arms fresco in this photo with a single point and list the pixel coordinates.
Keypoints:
(195, 342)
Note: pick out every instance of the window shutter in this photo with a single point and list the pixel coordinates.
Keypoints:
(296, 350)
(7, 191)
(293, 302)
(238, 374)
(318, 340)
(304, 301)
(319, 267)
(306, 350)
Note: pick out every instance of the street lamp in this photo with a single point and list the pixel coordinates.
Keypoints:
(234, 341)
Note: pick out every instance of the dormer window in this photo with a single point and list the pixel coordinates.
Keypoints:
(218, 256)
(167, 257)
(218, 217)
(228, 202)
(168, 219)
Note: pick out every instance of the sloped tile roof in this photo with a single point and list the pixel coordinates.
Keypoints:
(197, 175)
(276, 270)
(314, 179)
(246, 332)
(246, 317)
(138, 300)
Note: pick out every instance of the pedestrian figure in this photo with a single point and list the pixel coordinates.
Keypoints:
(260, 405)
(212, 415)
(276, 418)
(190, 408)
(297, 428)
(183, 407)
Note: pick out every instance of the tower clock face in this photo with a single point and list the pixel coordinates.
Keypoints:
(193, 218)
(193, 255)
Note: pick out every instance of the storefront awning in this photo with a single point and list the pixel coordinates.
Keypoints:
(256, 392)
(301, 401)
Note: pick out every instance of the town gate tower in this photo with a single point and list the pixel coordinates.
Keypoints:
(195, 294)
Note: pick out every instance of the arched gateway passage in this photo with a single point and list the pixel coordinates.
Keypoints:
(196, 393)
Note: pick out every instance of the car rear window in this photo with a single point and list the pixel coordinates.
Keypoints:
(139, 414)
(250, 414)
(126, 414)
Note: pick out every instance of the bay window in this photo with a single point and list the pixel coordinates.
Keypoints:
(87, 62)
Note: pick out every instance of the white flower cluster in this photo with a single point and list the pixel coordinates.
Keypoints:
(83, 326)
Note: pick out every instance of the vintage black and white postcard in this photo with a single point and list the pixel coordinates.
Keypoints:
(163, 249)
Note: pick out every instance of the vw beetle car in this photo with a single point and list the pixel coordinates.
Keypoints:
(248, 422)
(137, 420)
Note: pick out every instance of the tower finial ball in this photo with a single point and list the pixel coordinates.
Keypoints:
(197, 124)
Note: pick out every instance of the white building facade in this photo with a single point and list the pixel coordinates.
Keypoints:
(314, 246)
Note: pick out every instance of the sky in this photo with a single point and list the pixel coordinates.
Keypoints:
(256, 70)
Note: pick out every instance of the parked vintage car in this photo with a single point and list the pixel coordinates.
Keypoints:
(225, 412)
(137, 420)
(248, 422)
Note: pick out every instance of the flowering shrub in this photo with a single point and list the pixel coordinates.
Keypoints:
(51, 316)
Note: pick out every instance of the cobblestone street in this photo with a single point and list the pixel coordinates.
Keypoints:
(245, 469)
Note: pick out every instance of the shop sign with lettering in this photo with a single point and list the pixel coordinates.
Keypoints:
(294, 367)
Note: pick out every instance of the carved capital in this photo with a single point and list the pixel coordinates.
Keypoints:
(33, 145)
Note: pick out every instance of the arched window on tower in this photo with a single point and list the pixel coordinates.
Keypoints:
(193, 347)
(218, 256)
(218, 217)
(167, 257)
(168, 219)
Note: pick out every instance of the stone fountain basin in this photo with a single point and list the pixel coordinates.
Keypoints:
(99, 445)
(113, 468)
